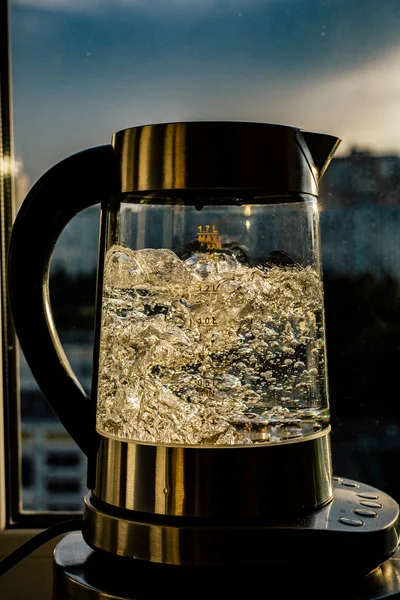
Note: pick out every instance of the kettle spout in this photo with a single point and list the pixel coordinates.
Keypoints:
(322, 147)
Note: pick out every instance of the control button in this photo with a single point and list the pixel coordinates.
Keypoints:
(371, 504)
(351, 522)
(368, 496)
(365, 512)
(350, 484)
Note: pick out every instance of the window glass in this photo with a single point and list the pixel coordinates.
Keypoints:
(83, 69)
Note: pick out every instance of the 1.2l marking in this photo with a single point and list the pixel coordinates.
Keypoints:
(208, 288)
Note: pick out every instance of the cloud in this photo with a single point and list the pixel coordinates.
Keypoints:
(359, 105)
(290, 36)
(75, 5)
(150, 6)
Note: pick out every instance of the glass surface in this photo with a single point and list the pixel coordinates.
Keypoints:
(54, 469)
(83, 70)
(212, 324)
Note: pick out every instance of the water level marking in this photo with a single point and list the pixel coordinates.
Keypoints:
(207, 320)
(208, 288)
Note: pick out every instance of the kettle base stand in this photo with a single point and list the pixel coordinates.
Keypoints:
(353, 540)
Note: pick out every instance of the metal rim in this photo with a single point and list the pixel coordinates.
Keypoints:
(222, 155)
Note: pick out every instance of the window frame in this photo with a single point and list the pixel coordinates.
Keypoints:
(16, 525)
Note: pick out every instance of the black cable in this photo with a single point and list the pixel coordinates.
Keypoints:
(38, 540)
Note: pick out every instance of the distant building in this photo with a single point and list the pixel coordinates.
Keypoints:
(22, 185)
(361, 178)
(77, 247)
(12, 167)
(53, 467)
(360, 214)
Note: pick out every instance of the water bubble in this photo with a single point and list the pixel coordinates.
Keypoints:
(217, 263)
(185, 349)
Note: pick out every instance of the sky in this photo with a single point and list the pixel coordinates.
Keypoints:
(83, 69)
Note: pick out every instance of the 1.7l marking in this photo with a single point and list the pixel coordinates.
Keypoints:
(209, 235)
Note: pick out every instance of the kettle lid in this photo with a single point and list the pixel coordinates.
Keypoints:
(228, 155)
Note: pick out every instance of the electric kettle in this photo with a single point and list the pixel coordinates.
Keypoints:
(208, 422)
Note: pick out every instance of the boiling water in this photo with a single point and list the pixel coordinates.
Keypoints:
(208, 350)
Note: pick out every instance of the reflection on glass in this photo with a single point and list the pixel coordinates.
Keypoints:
(84, 70)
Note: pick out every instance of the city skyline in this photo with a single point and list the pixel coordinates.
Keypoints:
(82, 70)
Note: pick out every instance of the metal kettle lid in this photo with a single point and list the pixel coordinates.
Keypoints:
(236, 155)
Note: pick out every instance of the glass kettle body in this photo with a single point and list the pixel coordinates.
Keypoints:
(210, 375)
(212, 322)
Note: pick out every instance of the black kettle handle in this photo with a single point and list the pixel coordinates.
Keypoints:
(84, 179)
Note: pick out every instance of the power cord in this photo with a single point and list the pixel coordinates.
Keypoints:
(38, 540)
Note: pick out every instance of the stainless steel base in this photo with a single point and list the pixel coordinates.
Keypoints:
(359, 526)
(259, 481)
(82, 574)
(191, 505)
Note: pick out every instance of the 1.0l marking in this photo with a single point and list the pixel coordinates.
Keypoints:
(207, 321)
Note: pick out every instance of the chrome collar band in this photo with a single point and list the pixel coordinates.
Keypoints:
(213, 482)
